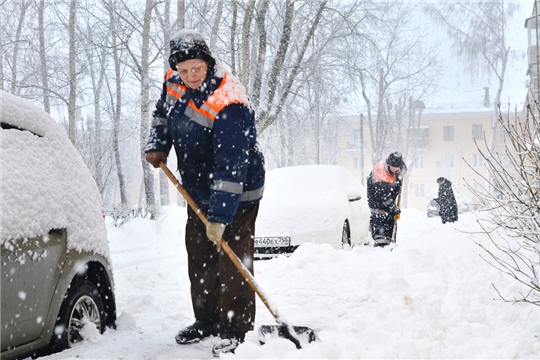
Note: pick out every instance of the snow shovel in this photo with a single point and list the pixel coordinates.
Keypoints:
(283, 329)
(394, 233)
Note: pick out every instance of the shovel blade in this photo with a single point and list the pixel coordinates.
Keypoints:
(302, 333)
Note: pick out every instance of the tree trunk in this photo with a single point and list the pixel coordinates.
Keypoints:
(2, 87)
(233, 35)
(118, 109)
(181, 14)
(261, 54)
(215, 27)
(72, 101)
(148, 172)
(266, 118)
(14, 72)
(163, 180)
(95, 145)
(246, 30)
(262, 119)
(44, 69)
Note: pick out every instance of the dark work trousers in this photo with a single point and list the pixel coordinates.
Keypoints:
(382, 227)
(219, 292)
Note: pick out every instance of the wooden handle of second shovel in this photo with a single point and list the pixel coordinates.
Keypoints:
(224, 246)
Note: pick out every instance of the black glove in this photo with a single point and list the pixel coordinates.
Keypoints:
(394, 210)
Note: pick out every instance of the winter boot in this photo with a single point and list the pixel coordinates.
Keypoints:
(381, 241)
(196, 332)
(228, 343)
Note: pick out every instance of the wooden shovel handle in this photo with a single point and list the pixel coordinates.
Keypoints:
(224, 246)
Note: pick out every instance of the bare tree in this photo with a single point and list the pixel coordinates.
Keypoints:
(117, 112)
(512, 211)
(24, 5)
(72, 100)
(246, 34)
(44, 68)
(166, 28)
(148, 173)
(478, 30)
(268, 114)
(397, 67)
(215, 27)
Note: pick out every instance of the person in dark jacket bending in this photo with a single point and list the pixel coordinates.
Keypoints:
(205, 114)
(383, 188)
(448, 210)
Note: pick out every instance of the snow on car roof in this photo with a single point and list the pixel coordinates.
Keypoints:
(50, 188)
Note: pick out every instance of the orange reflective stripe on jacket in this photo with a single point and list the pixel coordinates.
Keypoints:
(220, 98)
(381, 173)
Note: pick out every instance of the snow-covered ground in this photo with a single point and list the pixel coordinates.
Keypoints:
(431, 297)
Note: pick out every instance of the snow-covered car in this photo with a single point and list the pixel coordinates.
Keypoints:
(432, 209)
(312, 203)
(57, 282)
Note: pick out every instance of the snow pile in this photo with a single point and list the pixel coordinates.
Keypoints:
(45, 184)
(431, 297)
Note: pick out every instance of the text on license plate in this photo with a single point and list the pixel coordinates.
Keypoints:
(276, 241)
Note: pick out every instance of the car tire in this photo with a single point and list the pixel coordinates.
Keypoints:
(346, 236)
(81, 300)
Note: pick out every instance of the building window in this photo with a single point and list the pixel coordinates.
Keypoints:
(448, 133)
(356, 140)
(419, 162)
(357, 163)
(357, 137)
(478, 161)
(448, 161)
(477, 131)
(419, 136)
(419, 190)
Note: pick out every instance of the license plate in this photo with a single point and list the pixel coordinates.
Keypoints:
(276, 241)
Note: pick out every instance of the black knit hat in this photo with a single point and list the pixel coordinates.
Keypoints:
(395, 159)
(440, 180)
(189, 44)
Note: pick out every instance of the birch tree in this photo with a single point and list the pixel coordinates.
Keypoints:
(44, 68)
(72, 100)
(117, 102)
(267, 115)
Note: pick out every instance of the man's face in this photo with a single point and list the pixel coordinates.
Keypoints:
(192, 72)
(393, 169)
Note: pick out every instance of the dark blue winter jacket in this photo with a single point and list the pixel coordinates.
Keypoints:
(383, 189)
(213, 132)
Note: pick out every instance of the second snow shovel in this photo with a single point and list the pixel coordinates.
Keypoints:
(394, 233)
(283, 329)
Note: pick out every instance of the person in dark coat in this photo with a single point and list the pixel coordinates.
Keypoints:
(383, 188)
(448, 210)
(205, 114)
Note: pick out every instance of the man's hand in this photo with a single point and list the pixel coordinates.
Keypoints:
(155, 158)
(214, 232)
(397, 217)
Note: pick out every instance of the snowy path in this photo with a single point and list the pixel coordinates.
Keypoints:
(431, 297)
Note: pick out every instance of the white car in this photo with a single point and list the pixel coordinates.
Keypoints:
(56, 266)
(312, 203)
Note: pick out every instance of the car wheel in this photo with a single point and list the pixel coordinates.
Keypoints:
(346, 235)
(82, 301)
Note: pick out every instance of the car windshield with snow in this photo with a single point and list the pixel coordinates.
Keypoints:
(56, 266)
(312, 203)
